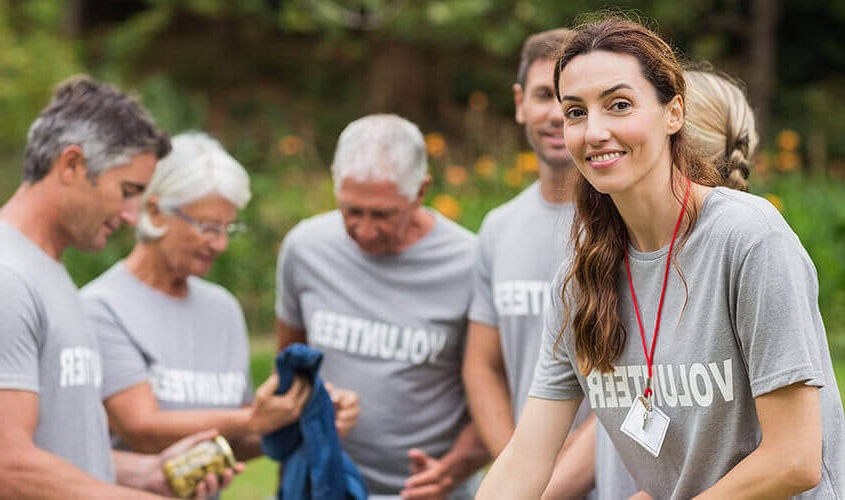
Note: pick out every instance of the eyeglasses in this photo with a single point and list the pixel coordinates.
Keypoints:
(212, 229)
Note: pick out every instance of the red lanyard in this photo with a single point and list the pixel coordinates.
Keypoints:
(649, 356)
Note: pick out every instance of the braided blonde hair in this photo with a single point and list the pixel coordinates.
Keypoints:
(720, 124)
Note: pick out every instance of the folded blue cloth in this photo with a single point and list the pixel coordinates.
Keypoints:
(315, 466)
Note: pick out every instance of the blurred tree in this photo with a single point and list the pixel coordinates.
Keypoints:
(264, 74)
(762, 79)
(32, 60)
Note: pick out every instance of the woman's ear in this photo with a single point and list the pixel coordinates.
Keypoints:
(152, 208)
(675, 115)
(152, 205)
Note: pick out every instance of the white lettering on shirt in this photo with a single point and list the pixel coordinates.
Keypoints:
(521, 298)
(80, 366)
(674, 385)
(199, 388)
(375, 339)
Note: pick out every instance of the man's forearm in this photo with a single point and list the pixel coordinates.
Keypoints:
(466, 456)
(35, 473)
(486, 384)
(490, 404)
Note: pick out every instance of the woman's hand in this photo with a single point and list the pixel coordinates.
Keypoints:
(270, 412)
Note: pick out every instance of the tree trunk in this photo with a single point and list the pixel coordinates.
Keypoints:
(763, 77)
(72, 18)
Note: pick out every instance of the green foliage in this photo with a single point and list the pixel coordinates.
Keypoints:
(125, 45)
(262, 358)
(296, 72)
(174, 109)
(33, 60)
(814, 209)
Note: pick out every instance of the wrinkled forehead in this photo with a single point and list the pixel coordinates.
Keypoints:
(370, 194)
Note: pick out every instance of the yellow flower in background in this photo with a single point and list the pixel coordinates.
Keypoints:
(787, 161)
(485, 167)
(478, 101)
(513, 177)
(775, 200)
(788, 140)
(763, 162)
(435, 144)
(456, 175)
(290, 145)
(447, 205)
(527, 161)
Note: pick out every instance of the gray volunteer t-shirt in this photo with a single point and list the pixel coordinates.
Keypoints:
(751, 325)
(193, 351)
(391, 328)
(521, 244)
(47, 347)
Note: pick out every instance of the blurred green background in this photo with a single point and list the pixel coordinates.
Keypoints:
(276, 81)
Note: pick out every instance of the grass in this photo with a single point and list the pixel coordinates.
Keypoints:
(839, 370)
(259, 480)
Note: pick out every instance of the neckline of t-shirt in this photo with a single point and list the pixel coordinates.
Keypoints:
(546, 204)
(638, 255)
(155, 291)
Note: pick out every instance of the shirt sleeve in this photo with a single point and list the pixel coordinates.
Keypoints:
(777, 317)
(288, 308)
(20, 330)
(124, 364)
(483, 306)
(555, 376)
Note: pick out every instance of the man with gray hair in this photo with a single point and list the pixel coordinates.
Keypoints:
(381, 286)
(89, 156)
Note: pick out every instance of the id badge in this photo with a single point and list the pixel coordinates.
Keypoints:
(646, 426)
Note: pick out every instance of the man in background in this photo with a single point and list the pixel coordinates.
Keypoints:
(521, 245)
(382, 287)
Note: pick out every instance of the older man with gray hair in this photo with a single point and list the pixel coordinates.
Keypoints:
(382, 287)
(89, 156)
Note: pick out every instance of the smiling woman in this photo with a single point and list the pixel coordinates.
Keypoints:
(681, 308)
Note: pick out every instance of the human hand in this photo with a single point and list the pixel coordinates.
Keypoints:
(640, 495)
(346, 409)
(430, 479)
(270, 411)
(211, 485)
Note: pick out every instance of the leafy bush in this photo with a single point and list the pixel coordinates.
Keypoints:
(814, 209)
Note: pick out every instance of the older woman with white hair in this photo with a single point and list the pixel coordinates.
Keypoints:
(175, 350)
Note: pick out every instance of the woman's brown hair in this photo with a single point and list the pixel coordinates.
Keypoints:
(599, 235)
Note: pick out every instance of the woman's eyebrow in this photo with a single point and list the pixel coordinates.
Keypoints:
(603, 94)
